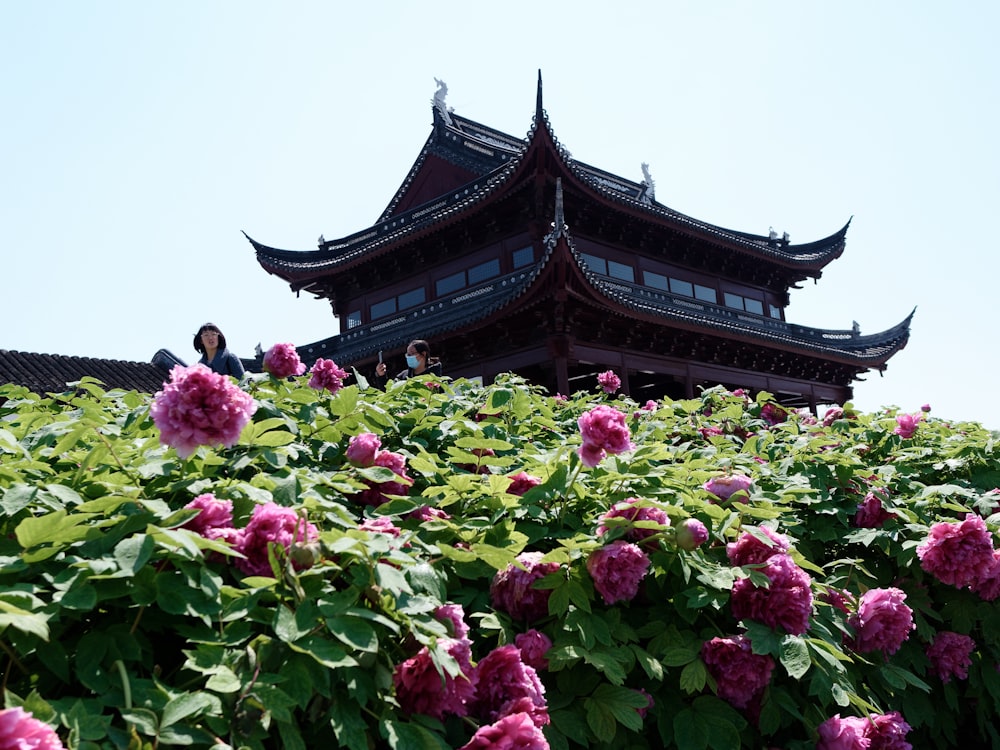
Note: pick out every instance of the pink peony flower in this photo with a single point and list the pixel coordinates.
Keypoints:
(282, 361)
(421, 689)
(650, 405)
(511, 590)
(951, 655)
(749, 549)
(631, 511)
(832, 415)
(609, 381)
(740, 675)
(888, 732)
(773, 414)
(362, 448)
(877, 732)
(691, 534)
(883, 622)
(618, 569)
(870, 513)
(843, 734)
(271, 524)
(427, 513)
(958, 554)
(200, 407)
(512, 732)
(649, 703)
(727, 485)
(602, 429)
(534, 644)
(213, 514)
(506, 685)
(19, 730)
(380, 525)
(786, 603)
(987, 585)
(454, 616)
(325, 375)
(379, 492)
(906, 424)
(521, 483)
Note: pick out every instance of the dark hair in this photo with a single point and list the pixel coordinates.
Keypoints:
(422, 347)
(200, 347)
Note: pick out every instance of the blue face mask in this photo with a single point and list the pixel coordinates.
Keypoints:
(412, 361)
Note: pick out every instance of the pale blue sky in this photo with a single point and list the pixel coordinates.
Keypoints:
(138, 139)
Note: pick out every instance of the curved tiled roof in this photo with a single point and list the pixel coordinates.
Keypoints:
(51, 373)
(475, 305)
(498, 156)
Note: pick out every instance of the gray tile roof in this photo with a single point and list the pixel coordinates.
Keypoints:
(50, 373)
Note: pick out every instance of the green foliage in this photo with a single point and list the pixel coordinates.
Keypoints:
(127, 630)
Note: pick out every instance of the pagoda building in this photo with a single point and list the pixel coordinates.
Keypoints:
(508, 255)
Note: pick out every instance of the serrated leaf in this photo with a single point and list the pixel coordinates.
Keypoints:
(694, 677)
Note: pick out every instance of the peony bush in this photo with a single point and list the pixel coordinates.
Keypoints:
(301, 561)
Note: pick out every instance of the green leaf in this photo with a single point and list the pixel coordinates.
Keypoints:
(348, 725)
(690, 733)
(795, 656)
(694, 677)
(188, 704)
(326, 653)
(354, 632)
(404, 736)
(56, 528)
(600, 719)
(133, 552)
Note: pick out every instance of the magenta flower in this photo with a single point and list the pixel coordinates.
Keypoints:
(832, 415)
(883, 622)
(740, 675)
(925, 408)
(877, 732)
(691, 534)
(362, 448)
(906, 424)
(870, 513)
(750, 549)
(649, 703)
(786, 603)
(271, 524)
(534, 644)
(609, 381)
(650, 405)
(454, 616)
(951, 655)
(958, 554)
(427, 513)
(200, 407)
(888, 732)
(325, 375)
(511, 590)
(617, 569)
(632, 511)
(421, 689)
(727, 485)
(213, 514)
(282, 361)
(773, 414)
(521, 483)
(512, 732)
(849, 733)
(19, 730)
(506, 685)
(380, 525)
(987, 585)
(602, 429)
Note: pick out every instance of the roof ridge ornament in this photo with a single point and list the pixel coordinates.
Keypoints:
(648, 194)
(439, 101)
(559, 222)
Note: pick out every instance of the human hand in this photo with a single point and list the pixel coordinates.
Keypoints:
(380, 369)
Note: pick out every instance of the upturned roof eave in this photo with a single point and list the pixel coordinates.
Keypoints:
(370, 243)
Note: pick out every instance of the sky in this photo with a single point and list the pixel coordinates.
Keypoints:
(139, 140)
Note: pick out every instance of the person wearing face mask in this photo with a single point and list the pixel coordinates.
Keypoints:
(418, 362)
